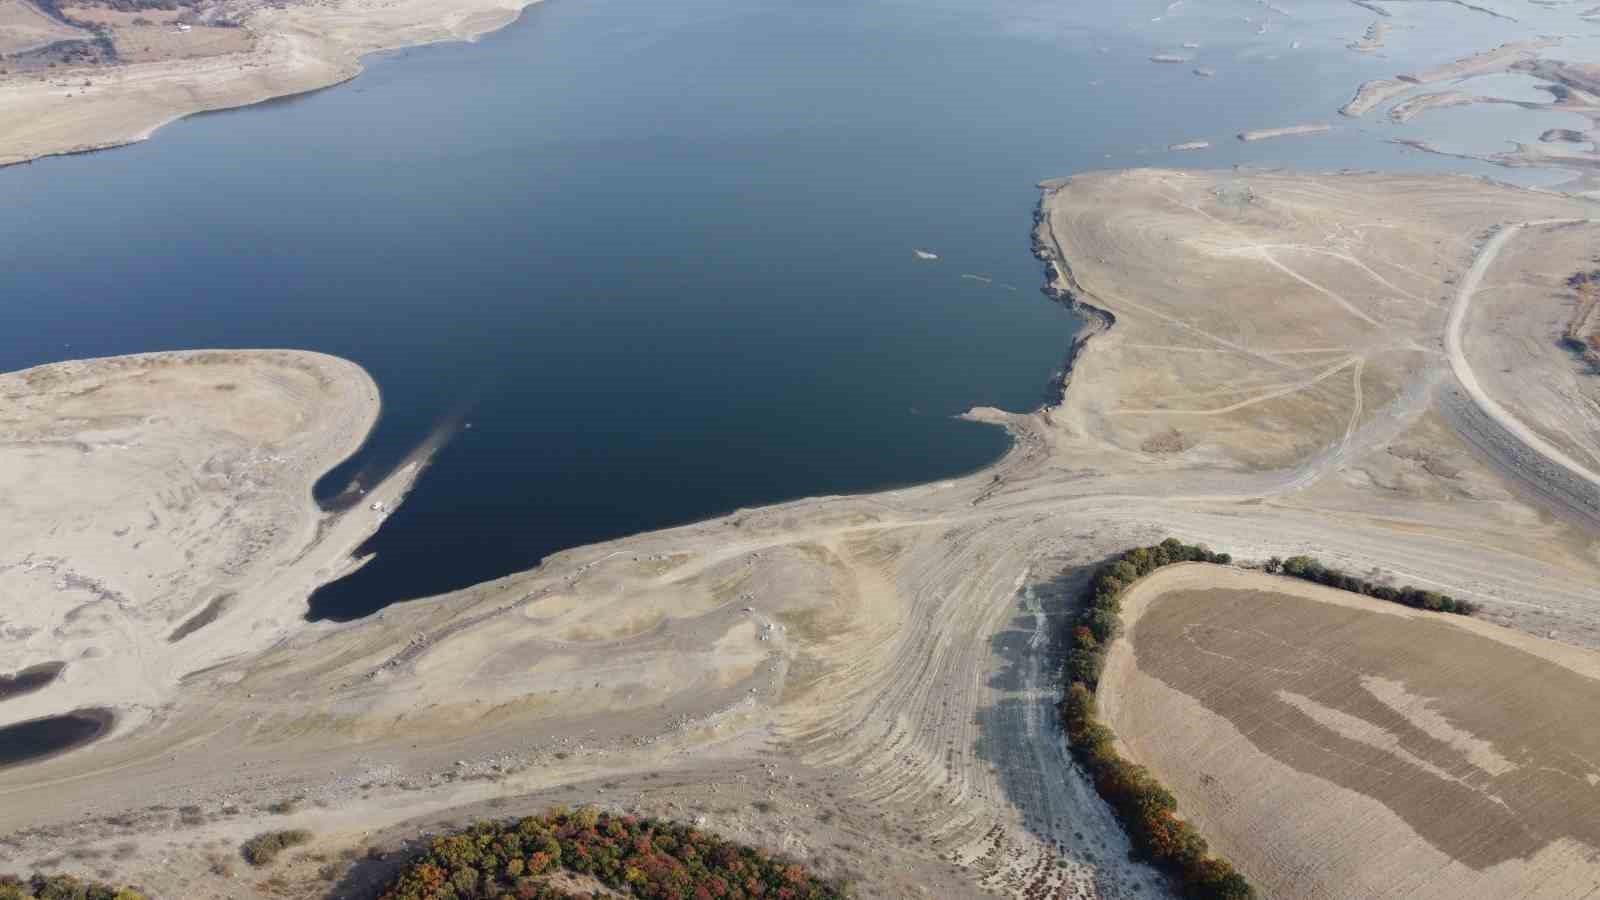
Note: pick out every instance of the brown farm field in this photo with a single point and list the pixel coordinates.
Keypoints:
(1336, 746)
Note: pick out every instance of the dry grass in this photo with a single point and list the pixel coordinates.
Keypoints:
(23, 27)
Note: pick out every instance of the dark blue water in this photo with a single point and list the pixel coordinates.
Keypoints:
(26, 681)
(658, 254)
(36, 739)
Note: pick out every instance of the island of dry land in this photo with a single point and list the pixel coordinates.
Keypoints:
(1275, 365)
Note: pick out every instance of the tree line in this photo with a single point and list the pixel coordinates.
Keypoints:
(1310, 569)
(1148, 812)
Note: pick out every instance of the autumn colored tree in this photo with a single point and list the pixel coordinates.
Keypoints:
(647, 858)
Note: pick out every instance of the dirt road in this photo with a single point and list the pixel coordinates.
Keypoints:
(1463, 369)
(1540, 467)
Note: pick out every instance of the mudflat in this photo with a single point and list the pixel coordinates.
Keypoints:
(141, 488)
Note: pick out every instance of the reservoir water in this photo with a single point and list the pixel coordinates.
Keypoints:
(660, 255)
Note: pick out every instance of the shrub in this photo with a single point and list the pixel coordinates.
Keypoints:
(1104, 624)
(62, 887)
(262, 849)
(1085, 666)
(1124, 571)
(1079, 707)
(1214, 879)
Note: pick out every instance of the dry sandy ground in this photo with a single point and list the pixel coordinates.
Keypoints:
(1514, 331)
(865, 682)
(23, 27)
(143, 491)
(295, 48)
(1335, 746)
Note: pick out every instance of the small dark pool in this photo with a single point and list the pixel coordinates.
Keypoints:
(38, 739)
(29, 680)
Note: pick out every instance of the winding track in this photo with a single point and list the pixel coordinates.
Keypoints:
(1463, 369)
(1517, 450)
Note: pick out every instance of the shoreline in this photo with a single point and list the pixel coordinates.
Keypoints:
(300, 50)
(1061, 287)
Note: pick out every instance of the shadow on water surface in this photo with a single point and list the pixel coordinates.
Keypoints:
(42, 738)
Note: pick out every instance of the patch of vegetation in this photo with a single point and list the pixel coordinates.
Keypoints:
(644, 857)
(56, 7)
(1581, 335)
(1310, 569)
(1147, 811)
(283, 807)
(1098, 621)
(61, 887)
(262, 849)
